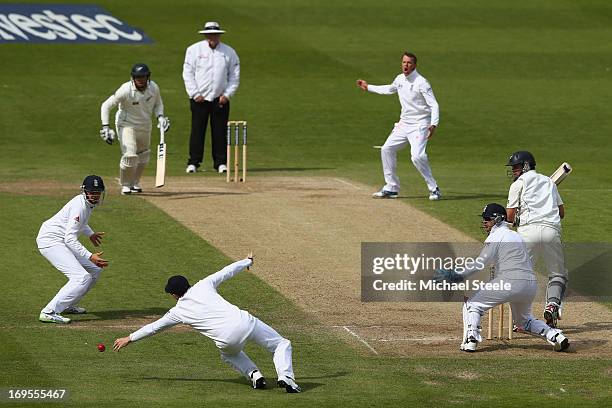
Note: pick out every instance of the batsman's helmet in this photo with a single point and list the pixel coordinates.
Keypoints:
(177, 285)
(494, 212)
(93, 183)
(522, 157)
(140, 70)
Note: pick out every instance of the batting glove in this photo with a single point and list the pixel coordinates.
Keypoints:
(447, 275)
(107, 134)
(163, 122)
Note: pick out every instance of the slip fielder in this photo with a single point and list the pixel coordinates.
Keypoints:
(138, 99)
(201, 307)
(58, 242)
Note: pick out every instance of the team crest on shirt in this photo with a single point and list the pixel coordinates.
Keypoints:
(77, 218)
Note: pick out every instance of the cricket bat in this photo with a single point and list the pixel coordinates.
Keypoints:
(160, 176)
(561, 173)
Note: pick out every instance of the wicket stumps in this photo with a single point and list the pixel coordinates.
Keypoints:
(500, 323)
(236, 125)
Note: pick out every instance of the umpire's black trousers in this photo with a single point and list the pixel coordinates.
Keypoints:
(219, 114)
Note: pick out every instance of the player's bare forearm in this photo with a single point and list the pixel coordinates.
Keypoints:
(511, 214)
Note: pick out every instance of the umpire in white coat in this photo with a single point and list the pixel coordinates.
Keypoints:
(202, 308)
(418, 121)
(211, 73)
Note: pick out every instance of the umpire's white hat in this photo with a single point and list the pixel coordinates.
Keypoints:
(211, 27)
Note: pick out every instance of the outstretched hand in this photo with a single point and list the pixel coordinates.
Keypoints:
(121, 343)
(250, 256)
(362, 84)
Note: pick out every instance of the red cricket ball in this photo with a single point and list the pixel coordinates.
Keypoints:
(101, 347)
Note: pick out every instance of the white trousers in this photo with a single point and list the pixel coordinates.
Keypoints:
(82, 275)
(520, 298)
(135, 154)
(269, 339)
(401, 135)
(544, 241)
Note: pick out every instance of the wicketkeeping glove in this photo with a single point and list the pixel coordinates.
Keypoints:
(107, 134)
(163, 122)
(447, 275)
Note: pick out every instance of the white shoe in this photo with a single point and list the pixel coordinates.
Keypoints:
(53, 318)
(125, 190)
(289, 385)
(557, 339)
(136, 189)
(435, 195)
(191, 169)
(470, 345)
(75, 310)
(258, 380)
(222, 168)
(385, 194)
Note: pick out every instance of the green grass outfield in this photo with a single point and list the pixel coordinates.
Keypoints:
(508, 76)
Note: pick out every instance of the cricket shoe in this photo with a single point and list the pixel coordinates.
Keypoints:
(557, 339)
(53, 318)
(435, 195)
(385, 194)
(289, 385)
(136, 189)
(470, 345)
(258, 380)
(125, 190)
(222, 168)
(191, 169)
(551, 314)
(75, 310)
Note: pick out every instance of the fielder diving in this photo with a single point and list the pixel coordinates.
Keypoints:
(58, 242)
(202, 308)
(137, 100)
(507, 252)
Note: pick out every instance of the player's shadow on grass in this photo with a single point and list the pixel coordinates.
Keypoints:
(588, 327)
(305, 386)
(273, 169)
(456, 197)
(182, 195)
(152, 312)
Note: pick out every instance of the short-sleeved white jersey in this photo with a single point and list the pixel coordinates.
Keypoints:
(537, 199)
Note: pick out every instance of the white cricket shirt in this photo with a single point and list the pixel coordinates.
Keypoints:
(506, 251)
(419, 105)
(135, 107)
(65, 227)
(211, 72)
(537, 199)
(206, 311)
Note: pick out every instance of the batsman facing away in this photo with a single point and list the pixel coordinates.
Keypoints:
(201, 307)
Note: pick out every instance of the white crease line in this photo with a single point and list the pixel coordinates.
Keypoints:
(424, 339)
(350, 184)
(360, 339)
